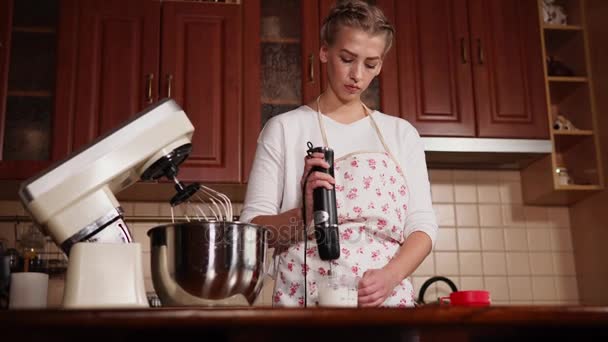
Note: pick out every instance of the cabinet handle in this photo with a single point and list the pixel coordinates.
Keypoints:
(169, 81)
(480, 53)
(463, 51)
(149, 78)
(311, 68)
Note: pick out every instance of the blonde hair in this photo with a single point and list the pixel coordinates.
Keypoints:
(356, 14)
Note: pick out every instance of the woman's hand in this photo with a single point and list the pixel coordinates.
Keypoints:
(375, 286)
(315, 180)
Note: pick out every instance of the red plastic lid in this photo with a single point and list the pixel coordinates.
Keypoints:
(470, 298)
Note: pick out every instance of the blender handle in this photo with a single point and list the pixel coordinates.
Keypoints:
(169, 81)
(149, 78)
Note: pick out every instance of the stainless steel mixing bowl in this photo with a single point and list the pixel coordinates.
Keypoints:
(208, 263)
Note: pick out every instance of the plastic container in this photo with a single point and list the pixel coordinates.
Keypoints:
(473, 298)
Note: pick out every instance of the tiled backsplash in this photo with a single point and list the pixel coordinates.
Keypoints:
(487, 240)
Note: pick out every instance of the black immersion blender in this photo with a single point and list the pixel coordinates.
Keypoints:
(325, 213)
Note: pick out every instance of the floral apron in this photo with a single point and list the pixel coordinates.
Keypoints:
(371, 198)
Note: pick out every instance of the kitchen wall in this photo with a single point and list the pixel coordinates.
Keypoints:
(488, 240)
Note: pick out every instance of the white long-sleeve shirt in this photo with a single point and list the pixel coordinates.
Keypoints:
(274, 181)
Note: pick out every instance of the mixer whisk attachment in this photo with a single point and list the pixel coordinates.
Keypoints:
(220, 206)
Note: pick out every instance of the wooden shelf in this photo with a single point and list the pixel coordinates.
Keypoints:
(34, 29)
(578, 187)
(280, 40)
(567, 79)
(554, 27)
(30, 93)
(581, 132)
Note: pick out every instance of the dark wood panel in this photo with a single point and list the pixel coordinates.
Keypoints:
(251, 122)
(202, 49)
(435, 67)
(312, 83)
(6, 11)
(119, 47)
(509, 84)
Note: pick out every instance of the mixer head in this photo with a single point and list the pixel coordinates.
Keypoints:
(168, 166)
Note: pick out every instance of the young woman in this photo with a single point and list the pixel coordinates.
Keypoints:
(386, 222)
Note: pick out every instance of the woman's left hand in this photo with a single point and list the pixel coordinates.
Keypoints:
(375, 286)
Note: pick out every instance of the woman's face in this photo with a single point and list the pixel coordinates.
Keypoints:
(353, 61)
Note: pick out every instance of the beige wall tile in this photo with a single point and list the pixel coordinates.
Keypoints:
(55, 290)
(446, 240)
(561, 240)
(165, 210)
(509, 176)
(471, 283)
(488, 193)
(566, 288)
(427, 268)
(559, 217)
(469, 239)
(470, 263)
(518, 263)
(541, 263)
(443, 176)
(446, 263)
(465, 193)
(146, 258)
(445, 215)
(149, 284)
(516, 239)
(510, 192)
(464, 175)
(139, 232)
(564, 263)
(490, 215)
(442, 193)
(128, 208)
(536, 217)
(494, 263)
(492, 239)
(467, 215)
(498, 287)
(488, 176)
(267, 291)
(11, 208)
(520, 289)
(513, 216)
(543, 289)
(539, 239)
(146, 209)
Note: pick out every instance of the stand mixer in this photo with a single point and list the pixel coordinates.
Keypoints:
(74, 202)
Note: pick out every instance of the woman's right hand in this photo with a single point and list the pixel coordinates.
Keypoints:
(315, 180)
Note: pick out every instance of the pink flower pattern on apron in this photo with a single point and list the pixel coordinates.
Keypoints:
(372, 196)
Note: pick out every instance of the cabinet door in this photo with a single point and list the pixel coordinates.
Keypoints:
(6, 11)
(202, 70)
(435, 66)
(118, 63)
(29, 46)
(508, 70)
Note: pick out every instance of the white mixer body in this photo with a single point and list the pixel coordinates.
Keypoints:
(75, 200)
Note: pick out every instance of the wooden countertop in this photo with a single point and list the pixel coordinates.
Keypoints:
(302, 324)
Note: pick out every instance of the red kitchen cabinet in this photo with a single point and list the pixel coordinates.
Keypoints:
(32, 131)
(291, 74)
(471, 68)
(120, 47)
